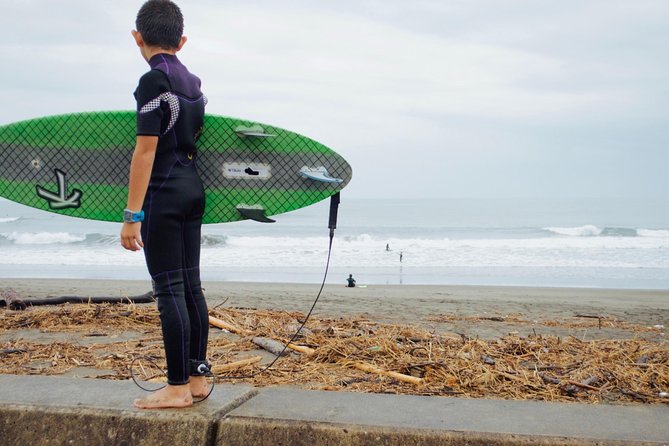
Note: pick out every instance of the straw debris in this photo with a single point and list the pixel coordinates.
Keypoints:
(353, 354)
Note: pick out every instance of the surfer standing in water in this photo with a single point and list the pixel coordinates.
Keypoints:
(166, 201)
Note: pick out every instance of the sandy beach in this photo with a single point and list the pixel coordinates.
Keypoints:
(487, 312)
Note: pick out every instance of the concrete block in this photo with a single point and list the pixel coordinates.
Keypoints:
(288, 416)
(43, 410)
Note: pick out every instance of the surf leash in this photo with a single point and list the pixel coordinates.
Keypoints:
(206, 369)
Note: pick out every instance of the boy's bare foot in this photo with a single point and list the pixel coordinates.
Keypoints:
(167, 397)
(198, 386)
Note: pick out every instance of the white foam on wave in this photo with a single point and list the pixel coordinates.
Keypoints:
(8, 219)
(43, 238)
(369, 251)
(71, 254)
(578, 231)
(359, 251)
(655, 233)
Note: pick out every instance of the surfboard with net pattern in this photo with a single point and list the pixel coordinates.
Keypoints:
(78, 165)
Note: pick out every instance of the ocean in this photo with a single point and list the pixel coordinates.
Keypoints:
(602, 243)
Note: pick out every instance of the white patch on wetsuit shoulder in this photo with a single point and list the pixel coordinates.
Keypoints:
(172, 102)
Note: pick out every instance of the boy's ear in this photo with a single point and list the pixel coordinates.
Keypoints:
(138, 38)
(182, 42)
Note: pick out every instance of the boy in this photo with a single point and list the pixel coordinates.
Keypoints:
(166, 201)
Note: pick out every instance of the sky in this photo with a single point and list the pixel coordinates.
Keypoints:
(425, 98)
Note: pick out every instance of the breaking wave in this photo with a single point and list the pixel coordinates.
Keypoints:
(579, 231)
(594, 231)
(90, 239)
(661, 233)
(42, 238)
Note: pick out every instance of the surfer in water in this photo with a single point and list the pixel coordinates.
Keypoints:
(166, 201)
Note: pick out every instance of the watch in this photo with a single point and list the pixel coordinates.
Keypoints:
(132, 217)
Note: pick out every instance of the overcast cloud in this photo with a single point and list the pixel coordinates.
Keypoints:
(424, 98)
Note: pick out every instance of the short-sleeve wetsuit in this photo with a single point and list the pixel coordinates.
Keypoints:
(170, 105)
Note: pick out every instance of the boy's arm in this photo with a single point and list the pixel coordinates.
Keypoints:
(140, 174)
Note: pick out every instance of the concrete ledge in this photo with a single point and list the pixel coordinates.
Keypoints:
(42, 410)
(257, 432)
(30, 425)
(45, 410)
(298, 417)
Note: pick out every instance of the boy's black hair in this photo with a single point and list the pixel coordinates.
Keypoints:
(160, 23)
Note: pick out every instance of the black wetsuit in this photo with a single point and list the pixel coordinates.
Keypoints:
(170, 105)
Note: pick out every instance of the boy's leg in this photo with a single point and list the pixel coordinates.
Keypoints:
(163, 250)
(195, 302)
(198, 314)
(169, 290)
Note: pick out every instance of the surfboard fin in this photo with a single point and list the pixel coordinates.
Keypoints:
(254, 130)
(254, 213)
(319, 174)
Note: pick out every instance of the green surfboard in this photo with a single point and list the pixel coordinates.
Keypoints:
(78, 165)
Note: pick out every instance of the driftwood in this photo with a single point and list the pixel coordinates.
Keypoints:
(635, 395)
(549, 379)
(235, 365)
(10, 298)
(9, 351)
(216, 322)
(585, 384)
(270, 345)
(369, 368)
(302, 349)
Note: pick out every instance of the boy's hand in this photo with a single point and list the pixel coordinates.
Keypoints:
(131, 238)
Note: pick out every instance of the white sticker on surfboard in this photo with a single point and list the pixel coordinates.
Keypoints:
(247, 171)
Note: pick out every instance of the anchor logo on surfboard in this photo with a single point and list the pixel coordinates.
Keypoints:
(60, 199)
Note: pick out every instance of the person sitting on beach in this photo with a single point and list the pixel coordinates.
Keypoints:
(351, 281)
(166, 201)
